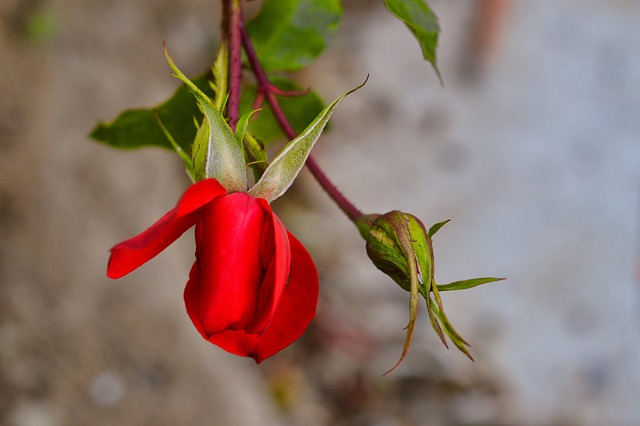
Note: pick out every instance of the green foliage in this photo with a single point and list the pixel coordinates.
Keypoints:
(422, 22)
(42, 26)
(300, 111)
(290, 34)
(135, 128)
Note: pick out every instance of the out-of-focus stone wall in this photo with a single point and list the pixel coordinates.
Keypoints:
(534, 153)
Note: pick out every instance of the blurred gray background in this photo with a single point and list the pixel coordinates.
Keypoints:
(532, 148)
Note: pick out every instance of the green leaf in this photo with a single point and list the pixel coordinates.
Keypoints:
(422, 22)
(289, 34)
(465, 284)
(300, 111)
(224, 160)
(136, 128)
(284, 168)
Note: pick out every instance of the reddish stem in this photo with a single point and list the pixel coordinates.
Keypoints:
(235, 60)
(268, 90)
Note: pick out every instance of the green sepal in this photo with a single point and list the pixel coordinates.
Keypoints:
(436, 227)
(224, 160)
(284, 168)
(256, 154)
(466, 284)
(188, 163)
(242, 125)
(457, 340)
(409, 251)
(220, 81)
(200, 148)
(364, 222)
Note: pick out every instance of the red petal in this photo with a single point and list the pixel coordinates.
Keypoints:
(228, 238)
(199, 194)
(294, 312)
(132, 253)
(275, 254)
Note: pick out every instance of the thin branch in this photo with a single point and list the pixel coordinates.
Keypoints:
(268, 91)
(234, 23)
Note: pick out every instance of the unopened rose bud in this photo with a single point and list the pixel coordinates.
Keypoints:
(399, 245)
(393, 239)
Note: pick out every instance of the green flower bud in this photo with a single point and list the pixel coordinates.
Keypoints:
(393, 239)
(399, 245)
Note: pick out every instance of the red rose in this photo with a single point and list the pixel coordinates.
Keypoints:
(253, 288)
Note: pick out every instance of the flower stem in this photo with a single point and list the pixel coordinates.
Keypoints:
(267, 89)
(234, 23)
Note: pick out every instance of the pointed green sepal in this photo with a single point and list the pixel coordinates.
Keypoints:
(221, 158)
(243, 124)
(465, 284)
(435, 228)
(457, 340)
(256, 155)
(219, 71)
(284, 168)
(188, 164)
(411, 244)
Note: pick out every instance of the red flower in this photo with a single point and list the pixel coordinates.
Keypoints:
(253, 288)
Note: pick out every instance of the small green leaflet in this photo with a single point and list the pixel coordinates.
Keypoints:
(290, 34)
(284, 168)
(422, 22)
